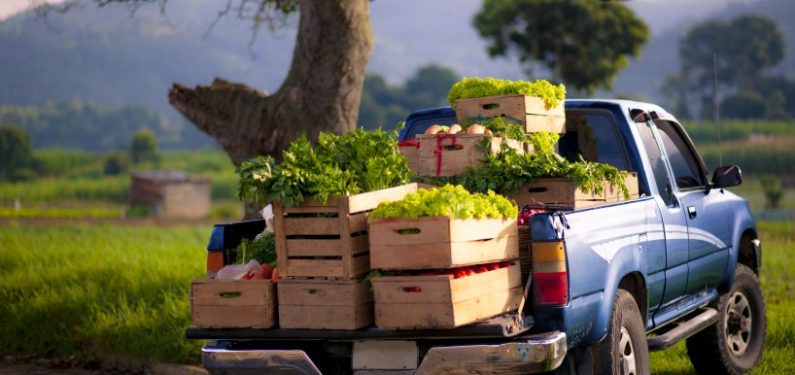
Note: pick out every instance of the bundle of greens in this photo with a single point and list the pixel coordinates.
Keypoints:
(449, 200)
(263, 249)
(356, 162)
(507, 171)
(498, 126)
(479, 87)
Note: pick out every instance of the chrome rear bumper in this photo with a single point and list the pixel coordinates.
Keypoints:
(533, 354)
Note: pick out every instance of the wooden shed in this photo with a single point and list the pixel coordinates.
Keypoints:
(171, 195)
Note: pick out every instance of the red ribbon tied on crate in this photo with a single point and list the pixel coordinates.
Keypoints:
(409, 143)
(439, 148)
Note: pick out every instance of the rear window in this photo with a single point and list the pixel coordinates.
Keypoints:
(593, 136)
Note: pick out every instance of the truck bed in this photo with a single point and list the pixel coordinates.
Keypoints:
(489, 329)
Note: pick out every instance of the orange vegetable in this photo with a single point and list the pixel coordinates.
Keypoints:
(275, 275)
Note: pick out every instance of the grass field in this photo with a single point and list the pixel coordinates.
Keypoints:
(89, 291)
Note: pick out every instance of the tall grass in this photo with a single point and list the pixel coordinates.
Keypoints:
(90, 291)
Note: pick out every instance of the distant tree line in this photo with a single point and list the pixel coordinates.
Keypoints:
(97, 128)
(385, 105)
(737, 55)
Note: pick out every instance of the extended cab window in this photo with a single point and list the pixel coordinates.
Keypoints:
(683, 161)
(594, 136)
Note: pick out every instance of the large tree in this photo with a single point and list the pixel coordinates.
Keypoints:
(741, 48)
(584, 43)
(736, 54)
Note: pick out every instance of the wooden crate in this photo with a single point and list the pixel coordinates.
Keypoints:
(328, 240)
(325, 304)
(444, 155)
(411, 150)
(441, 242)
(434, 302)
(564, 192)
(528, 110)
(233, 303)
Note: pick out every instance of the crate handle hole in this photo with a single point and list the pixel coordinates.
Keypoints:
(230, 294)
(455, 147)
(408, 231)
(316, 292)
(490, 106)
(412, 289)
(537, 190)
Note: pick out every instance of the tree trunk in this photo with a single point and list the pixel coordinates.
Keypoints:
(322, 90)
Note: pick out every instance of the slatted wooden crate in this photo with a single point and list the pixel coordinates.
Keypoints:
(528, 110)
(410, 149)
(325, 304)
(438, 302)
(441, 242)
(444, 155)
(328, 240)
(233, 303)
(564, 192)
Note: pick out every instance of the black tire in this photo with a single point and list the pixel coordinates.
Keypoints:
(624, 351)
(735, 343)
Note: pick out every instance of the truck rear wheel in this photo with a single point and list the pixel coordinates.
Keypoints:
(735, 343)
(624, 351)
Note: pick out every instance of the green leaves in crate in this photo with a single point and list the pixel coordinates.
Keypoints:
(353, 163)
(507, 171)
(263, 249)
(449, 200)
(474, 87)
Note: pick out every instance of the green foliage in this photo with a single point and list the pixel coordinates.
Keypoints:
(60, 213)
(116, 163)
(474, 87)
(771, 185)
(741, 50)
(93, 291)
(262, 249)
(16, 153)
(449, 200)
(507, 171)
(143, 146)
(93, 127)
(583, 42)
(356, 162)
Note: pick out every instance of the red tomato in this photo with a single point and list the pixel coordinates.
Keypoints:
(275, 275)
(267, 271)
(480, 269)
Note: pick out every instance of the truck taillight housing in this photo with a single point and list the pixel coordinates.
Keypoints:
(550, 274)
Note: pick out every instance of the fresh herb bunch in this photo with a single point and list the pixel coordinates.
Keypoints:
(499, 127)
(263, 249)
(507, 171)
(356, 162)
(474, 87)
(449, 200)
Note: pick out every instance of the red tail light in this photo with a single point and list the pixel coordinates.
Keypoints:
(550, 274)
(551, 288)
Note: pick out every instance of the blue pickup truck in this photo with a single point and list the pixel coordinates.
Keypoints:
(678, 262)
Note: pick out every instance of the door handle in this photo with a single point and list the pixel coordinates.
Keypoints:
(691, 211)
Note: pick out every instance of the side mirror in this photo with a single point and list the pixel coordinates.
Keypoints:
(727, 175)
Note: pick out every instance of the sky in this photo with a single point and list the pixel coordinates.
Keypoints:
(659, 14)
(10, 7)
